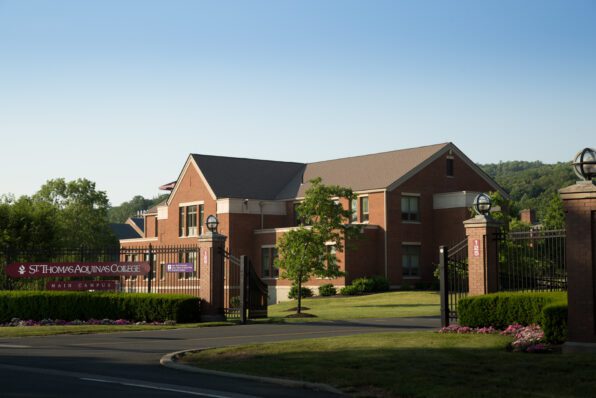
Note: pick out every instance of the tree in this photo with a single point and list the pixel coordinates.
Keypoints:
(303, 252)
(554, 215)
(119, 214)
(82, 212)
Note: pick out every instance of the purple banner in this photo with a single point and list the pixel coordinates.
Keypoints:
(41, 270)
(180, 267)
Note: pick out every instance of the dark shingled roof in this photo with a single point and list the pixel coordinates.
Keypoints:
(361, 173)
(124, 231)
(246, 178)
(139, 222)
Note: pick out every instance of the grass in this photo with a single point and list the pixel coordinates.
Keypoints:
(413, 364)
(25, 331)
(380, 305)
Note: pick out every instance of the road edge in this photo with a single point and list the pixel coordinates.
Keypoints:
(170, 361)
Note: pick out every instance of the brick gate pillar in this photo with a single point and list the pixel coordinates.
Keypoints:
(579, 202)
(211, 276)
(483, 275)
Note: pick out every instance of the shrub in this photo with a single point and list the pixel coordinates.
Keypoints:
(502, 309)
(349, 290)
(366, 285)
(327, 290)
(293, 294)
(39, 305)
(380, 284)
(554, 322)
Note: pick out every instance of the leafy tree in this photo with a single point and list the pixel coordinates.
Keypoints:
(119, 214)
(82, 212)
(554, 216)
(303, 252)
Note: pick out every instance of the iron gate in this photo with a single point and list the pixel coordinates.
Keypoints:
(453, 269)
(532, 260)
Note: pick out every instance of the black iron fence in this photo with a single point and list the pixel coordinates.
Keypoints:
(532, 260)
(453, 269)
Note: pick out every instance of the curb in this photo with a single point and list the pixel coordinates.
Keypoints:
(170, 361)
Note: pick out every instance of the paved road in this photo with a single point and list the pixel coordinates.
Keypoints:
(127, 364)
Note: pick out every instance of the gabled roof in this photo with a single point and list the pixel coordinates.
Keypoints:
(124, 231)
(139, 222)
(246, 178)
(241, 178)
(361, 173)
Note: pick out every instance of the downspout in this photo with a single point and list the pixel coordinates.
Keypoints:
(261, 205)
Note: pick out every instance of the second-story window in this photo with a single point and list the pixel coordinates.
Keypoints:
(181, 222)
(268, 256)
(410, 208)
(364, 209)
(201, 218)
(191, 221)
(354, 209)
(156, 227)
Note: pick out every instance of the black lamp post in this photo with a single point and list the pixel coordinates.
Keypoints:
(482, 204)
(212, 222)
(584, 164)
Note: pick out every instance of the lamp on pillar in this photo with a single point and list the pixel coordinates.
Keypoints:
(584, 164)
(482, 204)
(212, 222)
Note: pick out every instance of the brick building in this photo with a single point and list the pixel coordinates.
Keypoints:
(409, 202)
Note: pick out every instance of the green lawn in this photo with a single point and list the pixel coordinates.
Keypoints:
(24, 331)
(413, 364)
(380, 305)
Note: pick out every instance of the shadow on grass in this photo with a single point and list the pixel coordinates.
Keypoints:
(424, 372)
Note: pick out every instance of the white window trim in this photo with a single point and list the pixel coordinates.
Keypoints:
(186, 204)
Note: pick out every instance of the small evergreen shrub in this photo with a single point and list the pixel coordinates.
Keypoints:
(366, 285)
(293, 294)
(327, 290)
(349, 290)
(39, 305)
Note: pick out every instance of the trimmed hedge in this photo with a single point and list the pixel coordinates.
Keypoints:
(554, 322)
(68, 306)
(548, 309)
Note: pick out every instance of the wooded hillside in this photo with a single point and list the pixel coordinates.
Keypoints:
(531, 184)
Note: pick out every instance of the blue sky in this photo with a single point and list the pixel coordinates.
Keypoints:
(120, 92)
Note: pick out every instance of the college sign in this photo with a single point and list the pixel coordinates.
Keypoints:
(43, 270)
(82, 285)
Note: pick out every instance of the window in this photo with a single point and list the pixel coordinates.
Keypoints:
(364, 209)
(181, 229)
(449, 167)
(268, 256)
(354, 208)
(191, 221)
(162, 270)
(409, 208)
(156, 227)
(201, 218)
(410, 260)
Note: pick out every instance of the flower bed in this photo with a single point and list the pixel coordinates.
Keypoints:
(16, 322)
(526, 338)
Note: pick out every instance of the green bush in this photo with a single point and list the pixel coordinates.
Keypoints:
(68, 306)
(349, 290)
(327, 290)
(549, 309)
(554, 322)
(366, 285)
(293, 294)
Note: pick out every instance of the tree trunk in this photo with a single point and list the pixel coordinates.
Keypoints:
(299, 307)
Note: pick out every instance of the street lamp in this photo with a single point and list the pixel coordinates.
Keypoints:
(482, 204)
(584, 164)
(212, 223)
